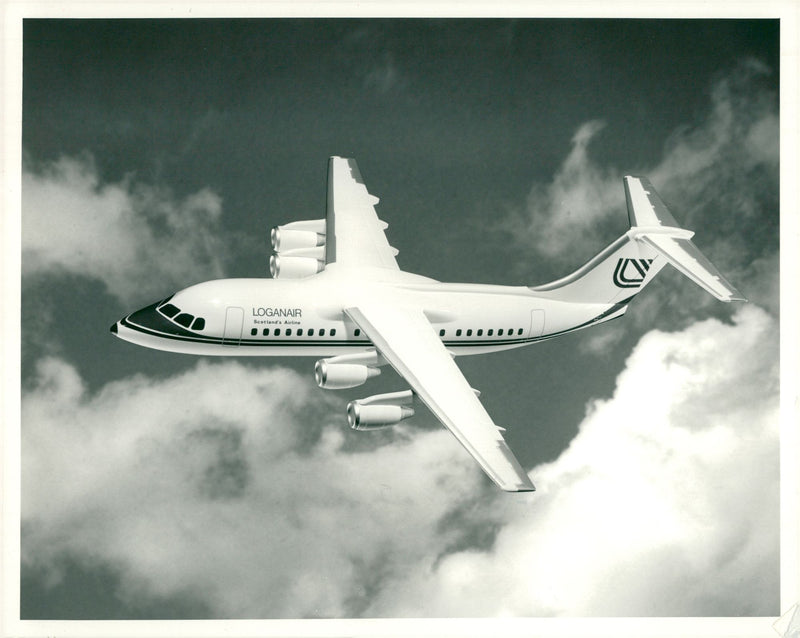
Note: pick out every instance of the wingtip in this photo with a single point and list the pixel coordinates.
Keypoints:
(733, 295)
(519, 487)
(519, 490)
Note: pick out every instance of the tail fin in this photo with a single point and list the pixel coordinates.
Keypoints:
(620, 271)
(652, 224)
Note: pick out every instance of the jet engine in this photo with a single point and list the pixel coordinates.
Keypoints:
(347, 370)
(283, 239)
(299, 249)
(337, 376)
(380, 411)
(294, 267)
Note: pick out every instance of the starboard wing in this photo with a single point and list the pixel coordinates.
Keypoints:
(355, 234)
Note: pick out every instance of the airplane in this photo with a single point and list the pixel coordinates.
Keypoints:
(337, 293)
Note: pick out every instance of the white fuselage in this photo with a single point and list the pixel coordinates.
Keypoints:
(305, 317)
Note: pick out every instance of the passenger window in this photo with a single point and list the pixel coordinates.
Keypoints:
(357, 332)
(265, 332)
(322, 332)
(458, 332)
(519, 332)
(469, 332)
(254, 331)
(333, 332)
(490, 333)
(441, 333)
(277, 332)
(199, 324)
(300, 332)
(311, 332)
(169, 310)
(288, 332)
(480, 332)
(184, 319)
(500, 332)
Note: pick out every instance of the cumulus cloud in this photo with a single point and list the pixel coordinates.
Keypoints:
(135, 238)
(234, 485)
(665, 503)
(231, 484)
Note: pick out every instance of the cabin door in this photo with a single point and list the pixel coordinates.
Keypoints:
(537, 323)
(234, 319)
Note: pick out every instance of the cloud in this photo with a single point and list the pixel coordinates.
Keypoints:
(367, 50)
(235, 485)
(580, 196)
(137, 239)
(740, 132)
(665, 503)
(385, 76)
(231, 484)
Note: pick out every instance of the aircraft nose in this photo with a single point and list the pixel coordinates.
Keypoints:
(146, 317)
(114, 329)
(150, 321)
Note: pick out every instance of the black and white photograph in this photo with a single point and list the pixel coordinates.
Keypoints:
(388, 317)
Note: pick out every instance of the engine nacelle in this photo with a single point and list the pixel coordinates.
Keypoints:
(302, 234)
(283, 240)
(284, 267)
(362, 416)
(338, 376)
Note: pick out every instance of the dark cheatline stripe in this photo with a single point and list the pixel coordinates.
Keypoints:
(192, 338)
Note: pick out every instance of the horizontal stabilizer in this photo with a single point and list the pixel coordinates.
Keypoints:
(654, 225)
(688, 259)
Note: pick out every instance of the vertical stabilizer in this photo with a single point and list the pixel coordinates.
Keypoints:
(620, 271)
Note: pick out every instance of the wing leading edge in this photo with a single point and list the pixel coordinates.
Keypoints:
(407, 341)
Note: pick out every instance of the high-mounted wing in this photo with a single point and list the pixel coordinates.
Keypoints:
(407, 341)
(355, 235)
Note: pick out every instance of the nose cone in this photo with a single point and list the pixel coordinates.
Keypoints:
(114, 328)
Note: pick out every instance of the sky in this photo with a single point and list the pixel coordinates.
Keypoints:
(158, 153)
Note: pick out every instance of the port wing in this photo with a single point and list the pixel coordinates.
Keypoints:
(407, 341)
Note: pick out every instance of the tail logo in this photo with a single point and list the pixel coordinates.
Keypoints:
(630, 273)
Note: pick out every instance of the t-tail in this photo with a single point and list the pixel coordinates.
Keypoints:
(626, 266)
